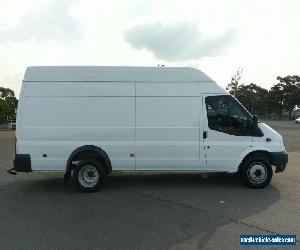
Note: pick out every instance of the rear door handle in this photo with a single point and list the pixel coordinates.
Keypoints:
(204, 134)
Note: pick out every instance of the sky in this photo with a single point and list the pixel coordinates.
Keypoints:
(218, 37)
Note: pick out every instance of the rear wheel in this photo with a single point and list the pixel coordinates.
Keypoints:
(257, 171)
(89, 175)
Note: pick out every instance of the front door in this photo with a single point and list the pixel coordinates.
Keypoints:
(226, 132)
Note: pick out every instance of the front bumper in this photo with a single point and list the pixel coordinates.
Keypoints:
(280, 160)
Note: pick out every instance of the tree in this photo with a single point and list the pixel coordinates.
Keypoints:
(289, 88)
(12, 103)
(276, 99)
(6, 92)
(3, 108)
(284, 95)
(253, 97)
(235, 79)
(8, 102)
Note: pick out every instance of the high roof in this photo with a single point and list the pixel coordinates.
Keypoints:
(113, 74)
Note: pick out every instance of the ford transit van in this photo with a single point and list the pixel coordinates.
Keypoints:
(91, 121)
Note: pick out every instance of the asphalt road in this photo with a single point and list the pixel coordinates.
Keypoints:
(40, 211)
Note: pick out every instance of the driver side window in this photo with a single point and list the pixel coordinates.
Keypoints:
(225, 114)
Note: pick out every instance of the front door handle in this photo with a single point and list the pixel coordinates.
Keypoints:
(204, 134)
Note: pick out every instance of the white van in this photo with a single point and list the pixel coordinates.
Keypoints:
(95, 120)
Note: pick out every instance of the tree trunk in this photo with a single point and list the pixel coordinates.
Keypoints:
(290, 114)
(280, 112)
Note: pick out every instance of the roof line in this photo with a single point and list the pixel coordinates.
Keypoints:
(117, 81)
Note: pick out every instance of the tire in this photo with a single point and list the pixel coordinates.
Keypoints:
(257, 171)
(89, 175)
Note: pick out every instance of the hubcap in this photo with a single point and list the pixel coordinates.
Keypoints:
(257, 172)
(88, 176)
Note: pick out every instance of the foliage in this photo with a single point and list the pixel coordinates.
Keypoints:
(284, 95)
(254, 98)
(6, 92)
(233, 85)
(8, 102)
(3, 108)
(290, 89)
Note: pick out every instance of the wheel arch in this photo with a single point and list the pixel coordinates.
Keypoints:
(264, 152)
(88, 151)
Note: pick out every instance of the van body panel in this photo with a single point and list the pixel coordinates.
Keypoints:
(167, 133)
(56, 125)
(144, 118)
(275, 145)
(167, 89)
(113, 74)
(70, 89)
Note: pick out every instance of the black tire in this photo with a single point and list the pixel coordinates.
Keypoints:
(257, 171)
(89, 175)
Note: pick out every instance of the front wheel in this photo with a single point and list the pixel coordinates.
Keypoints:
(89, 175)
(257, 171)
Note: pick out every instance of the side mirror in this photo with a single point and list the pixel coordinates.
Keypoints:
(254, 121)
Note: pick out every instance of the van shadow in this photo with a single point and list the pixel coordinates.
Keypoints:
(132, 210)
